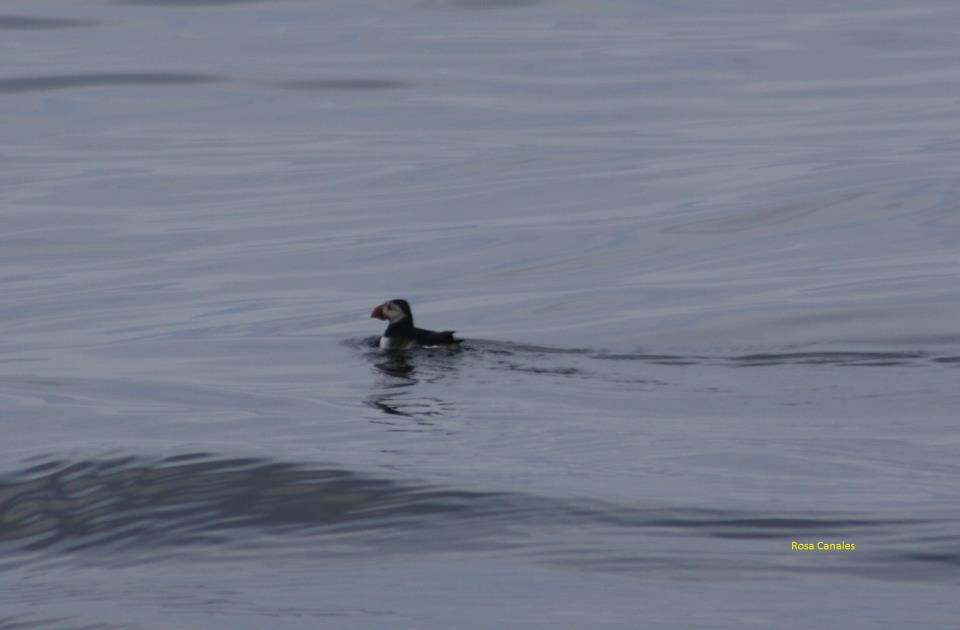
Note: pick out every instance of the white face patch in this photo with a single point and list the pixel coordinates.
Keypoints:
(392, 312)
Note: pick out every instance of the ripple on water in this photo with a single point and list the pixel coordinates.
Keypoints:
(26, 22)
(67, 81)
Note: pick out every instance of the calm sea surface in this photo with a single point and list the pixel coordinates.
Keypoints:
(705, 255)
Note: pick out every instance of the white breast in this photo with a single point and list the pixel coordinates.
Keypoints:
(393, 343)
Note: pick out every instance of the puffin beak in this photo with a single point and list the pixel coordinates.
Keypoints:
(378, 312)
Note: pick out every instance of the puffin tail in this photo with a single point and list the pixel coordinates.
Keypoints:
(449, 338)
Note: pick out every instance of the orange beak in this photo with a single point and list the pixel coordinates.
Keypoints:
(378, 312)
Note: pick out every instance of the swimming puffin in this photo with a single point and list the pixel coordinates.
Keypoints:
(401, 333)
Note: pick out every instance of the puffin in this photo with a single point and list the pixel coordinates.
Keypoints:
(401, 334)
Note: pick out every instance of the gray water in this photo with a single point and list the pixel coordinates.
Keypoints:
(704, 256)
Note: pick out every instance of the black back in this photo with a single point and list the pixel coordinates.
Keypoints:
(432, 338)
(404, 329)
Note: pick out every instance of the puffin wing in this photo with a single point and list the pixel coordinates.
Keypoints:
(433, 338)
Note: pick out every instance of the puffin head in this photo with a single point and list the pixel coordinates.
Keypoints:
(392, 310)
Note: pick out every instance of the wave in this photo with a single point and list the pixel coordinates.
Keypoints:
(130, 509)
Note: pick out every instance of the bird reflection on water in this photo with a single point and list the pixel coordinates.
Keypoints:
(398, 365)
(402, 376)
